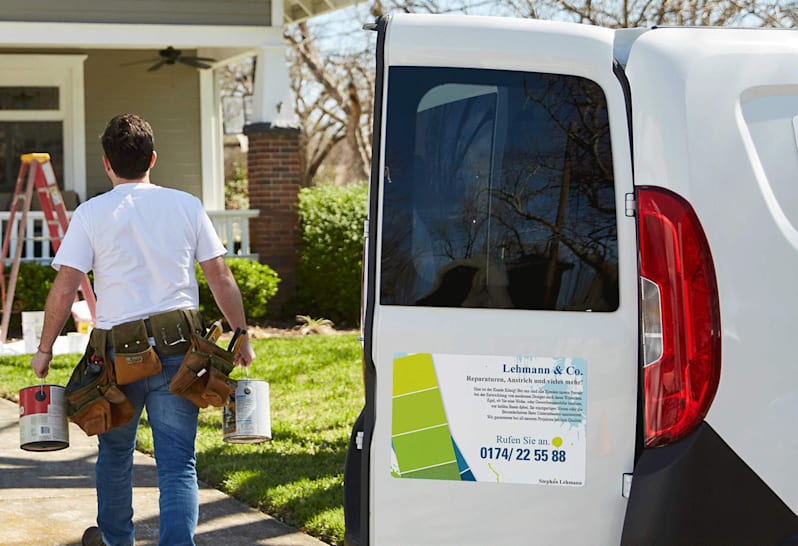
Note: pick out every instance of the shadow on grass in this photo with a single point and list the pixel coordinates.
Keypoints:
(293, 487)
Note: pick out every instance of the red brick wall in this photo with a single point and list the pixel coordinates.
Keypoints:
(274, 165)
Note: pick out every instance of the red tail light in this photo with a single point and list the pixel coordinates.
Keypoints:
(680, 318)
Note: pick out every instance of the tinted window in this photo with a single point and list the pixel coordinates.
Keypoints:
(498, 192)
(29, 98)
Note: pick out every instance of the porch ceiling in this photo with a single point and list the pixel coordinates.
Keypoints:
(224, 43)
(300, 10)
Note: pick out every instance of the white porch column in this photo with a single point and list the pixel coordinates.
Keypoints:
(272, 101)
(212, 147)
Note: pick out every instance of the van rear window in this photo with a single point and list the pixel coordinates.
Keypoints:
(498, 192)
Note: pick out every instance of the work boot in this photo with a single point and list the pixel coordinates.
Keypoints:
(93, 537)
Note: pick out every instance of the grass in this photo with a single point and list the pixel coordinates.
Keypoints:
(316, 392)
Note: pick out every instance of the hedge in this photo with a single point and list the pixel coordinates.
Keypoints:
(331, 247)
(257, 282)
(30, 293)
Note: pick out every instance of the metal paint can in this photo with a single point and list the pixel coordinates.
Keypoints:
(246, 418)
(43, 424)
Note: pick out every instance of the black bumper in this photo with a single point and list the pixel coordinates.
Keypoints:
(699, 492)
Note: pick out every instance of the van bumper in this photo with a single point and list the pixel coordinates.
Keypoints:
(698, 491)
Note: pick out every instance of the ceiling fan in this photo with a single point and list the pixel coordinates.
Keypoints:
(170, 56)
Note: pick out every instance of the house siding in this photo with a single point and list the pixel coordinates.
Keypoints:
(172, 12)
(168, 98)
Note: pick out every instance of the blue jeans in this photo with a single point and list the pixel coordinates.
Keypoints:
(174, 428)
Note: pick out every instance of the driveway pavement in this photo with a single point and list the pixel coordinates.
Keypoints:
(48, 498)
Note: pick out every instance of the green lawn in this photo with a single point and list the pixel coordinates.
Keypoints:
(316, 392)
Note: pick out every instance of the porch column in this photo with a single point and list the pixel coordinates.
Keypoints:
(272, 101)
(274, 164)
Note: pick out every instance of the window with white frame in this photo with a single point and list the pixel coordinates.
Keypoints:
(42, 110)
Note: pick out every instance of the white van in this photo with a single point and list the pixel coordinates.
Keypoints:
(581, 287)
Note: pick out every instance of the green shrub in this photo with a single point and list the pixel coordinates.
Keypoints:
(257, 282)
(331, 251)
(236, 189)
(33, 285)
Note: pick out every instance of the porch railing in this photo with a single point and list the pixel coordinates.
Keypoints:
(231, 225)
(233, 229)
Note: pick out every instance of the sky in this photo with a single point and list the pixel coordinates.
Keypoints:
(342, 30)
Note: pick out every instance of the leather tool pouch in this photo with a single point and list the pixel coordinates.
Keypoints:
(94, 402)
(203, 374)
(172, 330)
(134, 357)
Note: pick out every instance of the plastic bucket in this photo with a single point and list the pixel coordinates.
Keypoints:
(43, 424)
(32, 322)
(246, 418)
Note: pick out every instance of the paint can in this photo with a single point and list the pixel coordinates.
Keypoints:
(43, 424)
(246, 418)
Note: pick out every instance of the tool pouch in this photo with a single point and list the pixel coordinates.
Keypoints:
(172, 330)
(203, 374)
(94, 402)
(134, 357)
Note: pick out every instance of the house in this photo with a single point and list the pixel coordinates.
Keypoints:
(67, 67)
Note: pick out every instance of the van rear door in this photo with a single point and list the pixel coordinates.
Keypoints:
(501, 325)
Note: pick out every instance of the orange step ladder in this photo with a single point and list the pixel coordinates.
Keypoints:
(40, 177)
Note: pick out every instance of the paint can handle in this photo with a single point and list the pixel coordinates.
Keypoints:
(40, 396)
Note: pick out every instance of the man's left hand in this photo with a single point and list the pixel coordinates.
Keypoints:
(245, 354)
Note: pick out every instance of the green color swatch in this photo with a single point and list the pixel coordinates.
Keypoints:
(421, 438)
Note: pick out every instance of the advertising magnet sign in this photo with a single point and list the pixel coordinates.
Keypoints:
(518, 419)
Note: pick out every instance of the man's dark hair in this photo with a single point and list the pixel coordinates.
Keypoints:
(128, 145)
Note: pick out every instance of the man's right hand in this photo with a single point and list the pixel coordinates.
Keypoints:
(56, 310)
(41, 363)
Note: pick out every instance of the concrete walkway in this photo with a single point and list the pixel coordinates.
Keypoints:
(48, 498)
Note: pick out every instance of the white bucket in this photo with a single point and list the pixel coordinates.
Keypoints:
(246, 418)
(82, 317)
(43, 424)
(32, 322)
(76, 342)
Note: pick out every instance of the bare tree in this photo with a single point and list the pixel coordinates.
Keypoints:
(333, 74)
(236, 83)
(235, 79)
(334, 96)
(333, 84)
(640, 13)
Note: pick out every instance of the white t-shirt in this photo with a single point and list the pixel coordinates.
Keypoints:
(141, 240)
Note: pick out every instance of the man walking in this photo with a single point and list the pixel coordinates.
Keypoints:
(141, 241)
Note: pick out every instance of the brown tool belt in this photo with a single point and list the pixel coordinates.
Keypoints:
(171, 330)
(95, 401)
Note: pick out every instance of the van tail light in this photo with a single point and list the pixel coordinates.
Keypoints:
(679, 316)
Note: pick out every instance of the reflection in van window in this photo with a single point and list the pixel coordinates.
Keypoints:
(498, 192)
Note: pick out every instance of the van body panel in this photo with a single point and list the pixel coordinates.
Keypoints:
(429, 349)
(471, 41)
(682, 491)
(491, 263)
(713, 121)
